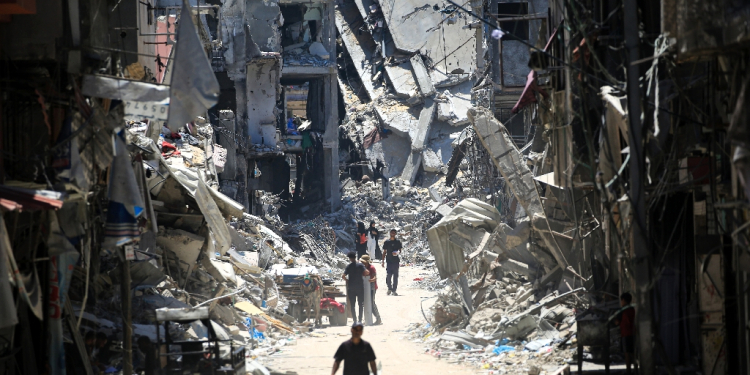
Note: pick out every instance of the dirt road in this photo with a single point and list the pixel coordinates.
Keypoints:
(398, 355)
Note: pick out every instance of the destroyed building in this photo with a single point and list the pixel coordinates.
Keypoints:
(591, 181)
(278, 78)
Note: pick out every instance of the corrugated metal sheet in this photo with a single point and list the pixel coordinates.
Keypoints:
(449, 257)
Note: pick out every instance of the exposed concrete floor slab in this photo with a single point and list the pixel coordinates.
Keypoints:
(359, 46)
(417, 27)
(393, 151)
(441, 139)
(401, 119)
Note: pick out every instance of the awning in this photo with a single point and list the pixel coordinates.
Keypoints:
(19, 199)
(123, 89)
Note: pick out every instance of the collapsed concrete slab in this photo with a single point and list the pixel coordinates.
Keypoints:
(468, 214)
(422, 76)
(394, 151)
(423, 125)
(455, 105)
(402, 79)
(359, 45)
(510, 163)
(185, 245)
(402, 120)
(418, 27)
(431, 161)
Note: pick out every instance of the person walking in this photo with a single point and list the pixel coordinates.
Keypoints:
(626, 321)
(361, 239)
(356, 354)
(392, 248)
(355, 287)
(367, 261)
(372, 241)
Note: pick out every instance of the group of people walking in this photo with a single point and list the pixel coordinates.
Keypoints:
(362, 264)
(357, 354)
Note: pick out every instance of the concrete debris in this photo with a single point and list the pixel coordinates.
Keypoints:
(507, 330)
(422, 76)
(406, 106)
(515, 171)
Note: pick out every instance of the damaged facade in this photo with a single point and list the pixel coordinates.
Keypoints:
(588, 183)
(278, 107)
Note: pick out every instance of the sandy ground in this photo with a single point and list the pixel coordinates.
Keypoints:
(398, 355)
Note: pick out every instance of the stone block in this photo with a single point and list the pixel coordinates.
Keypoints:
(431, 162)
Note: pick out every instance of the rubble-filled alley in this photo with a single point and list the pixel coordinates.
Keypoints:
(482, 187)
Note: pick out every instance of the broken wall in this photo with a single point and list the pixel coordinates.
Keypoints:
(262, 95)
(264, 19)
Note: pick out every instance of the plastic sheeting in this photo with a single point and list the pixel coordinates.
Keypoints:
(194, 87)
(219, 230)
(123, 89)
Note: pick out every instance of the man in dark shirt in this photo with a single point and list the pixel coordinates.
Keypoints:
(392, 249)
(355, 287)
(103, 353)
(150, 365)
(626, 321)
(356, 354)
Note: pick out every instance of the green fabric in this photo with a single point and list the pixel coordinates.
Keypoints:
(306, 140)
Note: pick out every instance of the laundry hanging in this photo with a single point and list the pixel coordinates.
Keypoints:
(125, 200)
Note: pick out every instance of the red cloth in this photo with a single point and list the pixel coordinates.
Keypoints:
(627, 322)
(528, 96)
(328, 302)
(373, 274)
(168, 149)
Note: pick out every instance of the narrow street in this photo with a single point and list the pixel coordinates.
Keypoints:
(397, 354)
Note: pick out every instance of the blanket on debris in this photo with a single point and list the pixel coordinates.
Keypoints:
(328, 302)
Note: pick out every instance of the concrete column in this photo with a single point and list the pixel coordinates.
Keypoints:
(466, 292)
(495, 46)
(476, 6)
(331, 143)
(331, 136)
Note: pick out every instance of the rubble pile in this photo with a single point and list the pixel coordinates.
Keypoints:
(514, 324)
(201, 249)
(412, 210)
(501, 306)
(406, 89)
